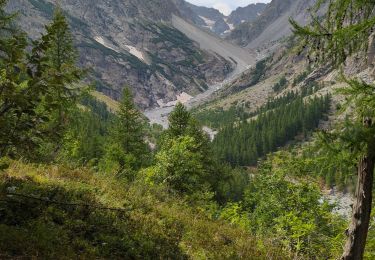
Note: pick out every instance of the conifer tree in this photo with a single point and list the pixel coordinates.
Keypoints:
(348, 29)
(36, 90)
(178, 120)
(18, 95)
(54, 62)
(185, 160)
(127, 147)
(129, 129)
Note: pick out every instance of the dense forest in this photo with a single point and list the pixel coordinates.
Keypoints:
(78, 181)
(243, 143)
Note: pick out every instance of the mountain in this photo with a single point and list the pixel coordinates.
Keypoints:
(273, 24)
(133, 42)
(212, 19)
(246, 14)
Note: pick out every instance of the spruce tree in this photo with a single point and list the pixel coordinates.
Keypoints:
(54, 62)
(178, 120)
(127, 148)
(129, 129)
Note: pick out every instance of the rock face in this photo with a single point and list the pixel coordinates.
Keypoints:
(273, 24)
(211, 19)
(246, 14)
(132, 42)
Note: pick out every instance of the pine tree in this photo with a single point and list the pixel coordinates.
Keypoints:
(347, 29)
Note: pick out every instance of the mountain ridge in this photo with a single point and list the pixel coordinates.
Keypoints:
(132, 43)
(273, 24)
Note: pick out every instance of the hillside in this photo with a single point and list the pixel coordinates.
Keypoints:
(273, 24)
(62, 212)
(243, 58)
(132, 43)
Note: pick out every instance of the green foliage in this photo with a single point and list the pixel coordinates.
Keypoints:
(244, 143)
(126, 149)
(179, 120)
(280, 84)
(258, 72)
(184, 161)
(87, 133)
(216, 118)
(344, 30)
(301, 77)
(181, 167)
(290, 210)
(36, 92)
(66, 213)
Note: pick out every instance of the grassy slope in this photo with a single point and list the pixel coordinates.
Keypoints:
(150, 224)
(112, 104)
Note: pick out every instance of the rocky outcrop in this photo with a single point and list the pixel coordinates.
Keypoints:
(132, 42)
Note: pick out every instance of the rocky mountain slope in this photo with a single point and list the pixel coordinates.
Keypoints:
(273, 24)
(213, 20)
(133, 42)
(246, 14)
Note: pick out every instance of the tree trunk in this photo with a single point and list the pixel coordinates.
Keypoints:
(357, 233)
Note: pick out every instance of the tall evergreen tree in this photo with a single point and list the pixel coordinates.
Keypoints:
(347, 29)
(129, 129)
(54, 61)
(35, 92)
(126, 145)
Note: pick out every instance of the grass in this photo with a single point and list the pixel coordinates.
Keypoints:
(112, 104)
(64, 213)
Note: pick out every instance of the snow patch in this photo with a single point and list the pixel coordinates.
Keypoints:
(137, 53)
(231, 26)
(210, 23)
(106, 44)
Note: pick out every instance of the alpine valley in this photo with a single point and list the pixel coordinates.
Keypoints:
(161, 129)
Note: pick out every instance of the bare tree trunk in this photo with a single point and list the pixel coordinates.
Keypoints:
(357, 233)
